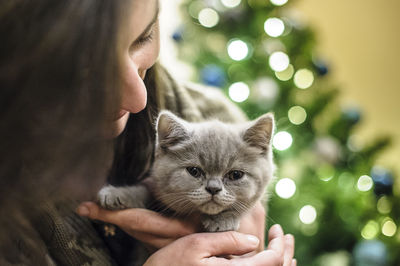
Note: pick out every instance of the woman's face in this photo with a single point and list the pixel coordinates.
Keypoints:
(139, 46)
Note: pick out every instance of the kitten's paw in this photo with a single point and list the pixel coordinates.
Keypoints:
(221, 224)
(112, 198)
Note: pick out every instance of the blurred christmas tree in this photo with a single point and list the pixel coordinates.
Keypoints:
(329, 194)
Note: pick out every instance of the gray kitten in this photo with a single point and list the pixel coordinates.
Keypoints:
(212, 169)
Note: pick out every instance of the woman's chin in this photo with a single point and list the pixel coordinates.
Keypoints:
(117, 127)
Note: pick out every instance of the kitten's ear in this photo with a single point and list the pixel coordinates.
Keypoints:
(260, 133)
(170, 129)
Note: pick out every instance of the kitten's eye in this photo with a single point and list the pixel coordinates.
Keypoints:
(235, 175)
(195, 171)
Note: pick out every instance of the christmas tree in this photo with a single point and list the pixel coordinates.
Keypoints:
(329, 194)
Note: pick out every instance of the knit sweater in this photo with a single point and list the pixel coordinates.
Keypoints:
(73, 240)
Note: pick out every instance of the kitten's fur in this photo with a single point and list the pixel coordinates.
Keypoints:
(212, 169)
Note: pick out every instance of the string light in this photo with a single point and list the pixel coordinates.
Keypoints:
(231, 3)
(282, 140)
(303, 78)
(274, 27)
(237, 49)
(265, 91)
(286, 74)
(285, 188)
(195, 7)
(326, 172)
(273, 45)
(308, 214)
(364, 183)
(354, 143)
(346, 181)
(279, 2)
(297, 115)
(309, 229)
(389, 228)
(239, 92)
(208, 17)
(384, 205)
(370, 230)
(279, 61)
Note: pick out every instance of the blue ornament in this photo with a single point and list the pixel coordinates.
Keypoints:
(213, 75)
(383, 181)
(321, 67)
(352, 115)
(370, 253)
(178, 35)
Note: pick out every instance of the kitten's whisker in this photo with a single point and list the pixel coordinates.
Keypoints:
(267, 218)
(234, 207)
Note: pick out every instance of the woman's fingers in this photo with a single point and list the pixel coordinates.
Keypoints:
(203, 249)
(282, 244)
(289, 250)
(276, 242)
(274, 232)
(229, 243)
(137, 220)
(209, 249)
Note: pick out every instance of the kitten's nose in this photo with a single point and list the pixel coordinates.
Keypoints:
(213, 186)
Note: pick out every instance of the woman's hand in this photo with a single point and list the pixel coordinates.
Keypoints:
(146, 226)
(253, 223)
(209, 249)
(180, 246)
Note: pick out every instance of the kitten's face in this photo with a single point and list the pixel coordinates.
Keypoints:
(211, 167)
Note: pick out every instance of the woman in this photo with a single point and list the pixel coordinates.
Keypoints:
(72, 74)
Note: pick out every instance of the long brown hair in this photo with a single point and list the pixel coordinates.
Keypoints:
(58, 80)
(134, 148)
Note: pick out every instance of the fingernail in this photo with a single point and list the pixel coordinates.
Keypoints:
(254, 240)
(278, 227)
(289, 237)
(83, 210)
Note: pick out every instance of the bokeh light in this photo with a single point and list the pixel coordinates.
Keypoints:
(265, 91)
(208, 17)
(308, 214)
(239, 92)
(274, 27)
(389, 228)
(384, 205)
(303, 78)
(195, 7)
(370, 230)
(279, 2)
(279, 61)
(309, 229)
(286, 74)
(364, 183)
(297, 115)
(230, 3)
(273, 45)
(285, 188)
(326, 172)
(282, 140)
(237, 49)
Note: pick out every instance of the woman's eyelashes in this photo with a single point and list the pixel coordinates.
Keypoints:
(145, 39)
(148, 38)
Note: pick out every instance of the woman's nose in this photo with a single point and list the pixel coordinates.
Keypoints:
(134, 93)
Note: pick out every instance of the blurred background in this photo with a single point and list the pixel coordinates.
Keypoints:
(327, 69)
